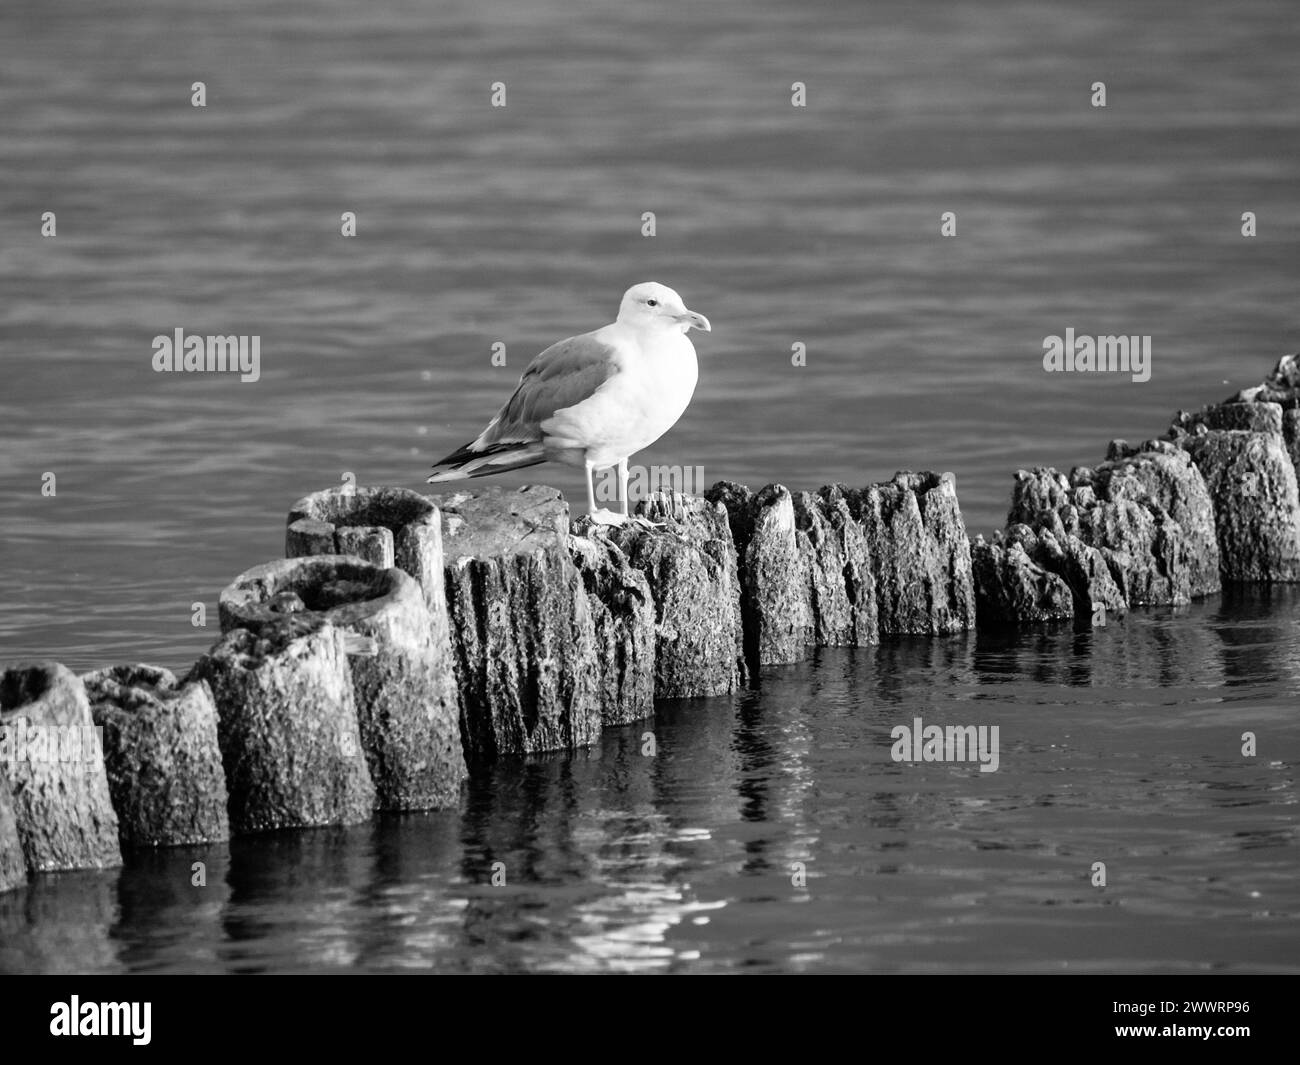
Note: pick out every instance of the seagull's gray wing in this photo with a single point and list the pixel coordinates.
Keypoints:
(562, 377)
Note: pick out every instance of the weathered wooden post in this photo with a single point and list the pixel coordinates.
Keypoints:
(1242, 454)
(522, 631)
(920, 557)
(623, 620)
(1136, 530)
(689, 562)
(52, 765)
(841, 567)
(842, 586)
(1157, 473)
(1010, 588)
(287, 726)
(410, 731)
(775, 578)
(13, 866)
(388, 527)
(805, 571)
(161, 754)
(1125, 509)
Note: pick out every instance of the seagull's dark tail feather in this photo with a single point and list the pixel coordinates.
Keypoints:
(470, 461)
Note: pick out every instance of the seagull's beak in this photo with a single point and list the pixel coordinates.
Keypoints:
(690, 318)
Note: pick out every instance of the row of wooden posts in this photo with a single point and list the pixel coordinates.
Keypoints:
(406, 639)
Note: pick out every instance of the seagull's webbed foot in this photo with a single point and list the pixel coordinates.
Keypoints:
(611, 519)
(607, 517)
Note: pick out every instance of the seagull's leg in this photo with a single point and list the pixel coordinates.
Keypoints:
(599, 516)
(644, 522)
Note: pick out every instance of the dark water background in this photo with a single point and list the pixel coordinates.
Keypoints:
(521, 225)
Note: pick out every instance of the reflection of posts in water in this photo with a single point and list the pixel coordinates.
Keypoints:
(525, 823)
(754, 756)
(1149, 648)
(304, 885)
(899, 665)
(420, 853)
(58, 924)
(1254, 627)
(183, 890)
(773, 783)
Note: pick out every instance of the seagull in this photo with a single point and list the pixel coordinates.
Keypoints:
(595, 399)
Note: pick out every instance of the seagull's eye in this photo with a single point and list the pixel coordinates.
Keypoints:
(652, 303)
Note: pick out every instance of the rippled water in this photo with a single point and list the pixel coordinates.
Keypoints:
(784, 225)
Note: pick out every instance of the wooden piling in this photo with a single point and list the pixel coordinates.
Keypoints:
(161, 754)
(410, 730)
(54, 770)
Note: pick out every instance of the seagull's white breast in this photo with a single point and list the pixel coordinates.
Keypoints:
(636, 406)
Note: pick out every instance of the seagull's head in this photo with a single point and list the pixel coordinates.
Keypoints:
(650, 305)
